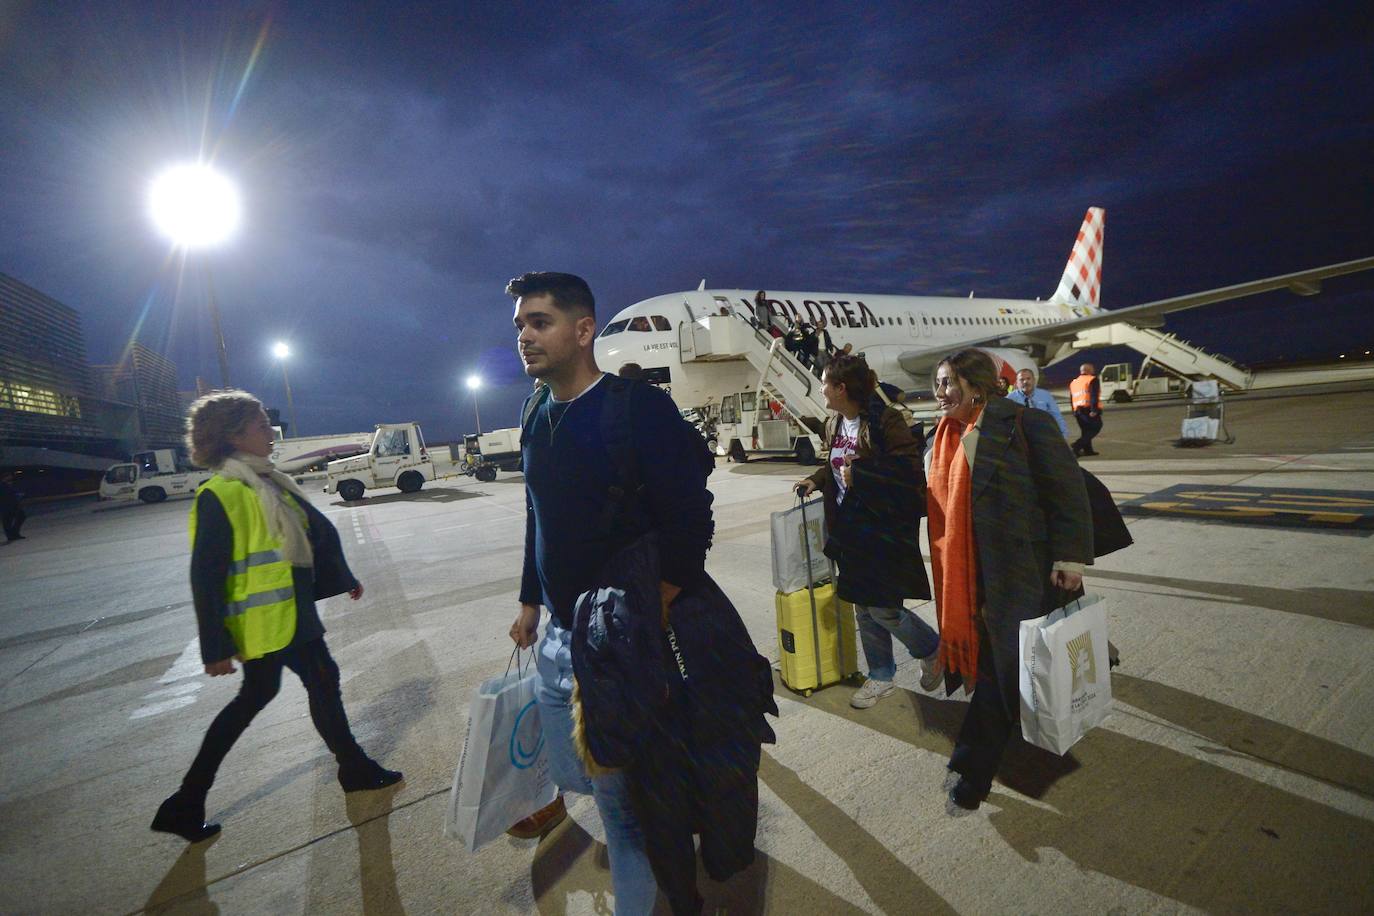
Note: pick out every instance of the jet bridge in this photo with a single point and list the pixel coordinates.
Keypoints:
(720, 338)
(1170, 353)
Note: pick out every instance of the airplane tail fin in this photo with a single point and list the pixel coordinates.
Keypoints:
(1081, 284)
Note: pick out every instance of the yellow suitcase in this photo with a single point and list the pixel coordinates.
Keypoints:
(829, 647)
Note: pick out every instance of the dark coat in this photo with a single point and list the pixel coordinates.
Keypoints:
(1110, 533)
(1030, 509)
(874, 536)
(684, 716)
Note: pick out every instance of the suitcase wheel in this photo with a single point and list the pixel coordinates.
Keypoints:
(806, 692)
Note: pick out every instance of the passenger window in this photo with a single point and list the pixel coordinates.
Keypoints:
(749, 400)
(661, 323)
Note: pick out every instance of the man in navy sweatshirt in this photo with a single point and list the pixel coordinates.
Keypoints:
(568, 475)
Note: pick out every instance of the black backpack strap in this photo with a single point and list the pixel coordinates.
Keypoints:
(532, 405)
(617, 435)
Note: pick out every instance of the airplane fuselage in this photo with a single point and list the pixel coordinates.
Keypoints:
(882, 327)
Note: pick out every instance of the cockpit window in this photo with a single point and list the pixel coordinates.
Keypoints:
(615, 327)
(639, 323)
(661, 323)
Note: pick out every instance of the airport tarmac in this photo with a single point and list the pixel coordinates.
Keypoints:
(1236, 773)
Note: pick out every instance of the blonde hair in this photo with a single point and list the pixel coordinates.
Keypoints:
(213, 420)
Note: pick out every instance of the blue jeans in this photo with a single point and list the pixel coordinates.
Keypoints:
(632, 880)
(877, 626)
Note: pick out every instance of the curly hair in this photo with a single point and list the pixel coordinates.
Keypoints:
(975, 368)
(213, 420)
(851, 371)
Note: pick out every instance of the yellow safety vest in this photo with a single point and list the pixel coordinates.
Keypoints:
(1080, 392)
(259, 593)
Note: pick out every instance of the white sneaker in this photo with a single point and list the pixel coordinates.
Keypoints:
(932, 671)
(871, 692)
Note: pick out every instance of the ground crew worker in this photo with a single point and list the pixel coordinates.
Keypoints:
(261, 555)
(1085, 393)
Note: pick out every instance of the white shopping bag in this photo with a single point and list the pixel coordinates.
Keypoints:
(1201, 428)
(503, 773)
(1066, 686)
(789, 550)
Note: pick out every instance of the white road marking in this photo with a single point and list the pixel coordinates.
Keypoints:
(187, 665)
(158, 709)
(176, 690)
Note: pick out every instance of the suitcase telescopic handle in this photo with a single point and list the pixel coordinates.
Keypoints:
(811, 591)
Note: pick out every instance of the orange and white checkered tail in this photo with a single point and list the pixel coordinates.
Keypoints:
(1081, 285)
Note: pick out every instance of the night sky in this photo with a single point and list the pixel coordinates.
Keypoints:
(399, 164)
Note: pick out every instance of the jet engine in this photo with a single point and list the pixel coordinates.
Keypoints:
(1010, 361)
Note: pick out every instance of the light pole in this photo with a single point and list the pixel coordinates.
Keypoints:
(281, 351)
(195, 206)
(474, 383)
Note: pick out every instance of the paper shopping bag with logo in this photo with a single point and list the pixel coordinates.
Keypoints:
(503, 773)
(1065, 685)
(790, 531)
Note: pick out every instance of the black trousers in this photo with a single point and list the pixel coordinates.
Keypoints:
(261, 680)
(1088, 428)
(988, 725)
(13, 519)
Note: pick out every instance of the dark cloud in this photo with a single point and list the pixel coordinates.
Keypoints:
(401, 161)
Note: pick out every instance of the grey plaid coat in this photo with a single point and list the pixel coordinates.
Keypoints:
(1030, 509)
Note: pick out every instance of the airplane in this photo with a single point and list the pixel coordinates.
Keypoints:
(904, 337)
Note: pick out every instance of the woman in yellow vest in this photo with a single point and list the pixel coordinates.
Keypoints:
(261, 555)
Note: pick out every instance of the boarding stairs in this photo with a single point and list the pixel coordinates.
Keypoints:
(717, 338)
(1170, 353)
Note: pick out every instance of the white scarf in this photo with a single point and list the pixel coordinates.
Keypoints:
(283, 519)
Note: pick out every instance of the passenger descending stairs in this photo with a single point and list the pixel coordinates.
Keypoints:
(1169, 353)
(716, 338)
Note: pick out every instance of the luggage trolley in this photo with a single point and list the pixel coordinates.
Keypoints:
(1206, 420)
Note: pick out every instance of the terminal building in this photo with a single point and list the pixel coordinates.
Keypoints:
(146, 381)
(45, 382)
(62, 419)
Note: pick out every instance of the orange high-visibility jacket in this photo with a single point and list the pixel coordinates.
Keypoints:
(1081, 393)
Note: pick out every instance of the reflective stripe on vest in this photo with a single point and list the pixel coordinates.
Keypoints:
(1080, 391)
(259, 590)
(262, 557)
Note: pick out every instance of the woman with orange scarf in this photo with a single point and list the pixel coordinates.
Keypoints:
(1010, 532)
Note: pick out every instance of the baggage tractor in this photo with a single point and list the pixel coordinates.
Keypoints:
(816, 635)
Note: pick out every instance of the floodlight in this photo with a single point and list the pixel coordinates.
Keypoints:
(194, 205)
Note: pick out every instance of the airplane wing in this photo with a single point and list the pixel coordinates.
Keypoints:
(1151, 314)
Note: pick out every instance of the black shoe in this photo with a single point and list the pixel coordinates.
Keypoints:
(966, 796)
(369, 774)
(185, 818)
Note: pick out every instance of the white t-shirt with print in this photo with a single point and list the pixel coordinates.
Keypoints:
(845, 443)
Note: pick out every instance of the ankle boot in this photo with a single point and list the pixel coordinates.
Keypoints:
(366, 773)
(184, 816)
